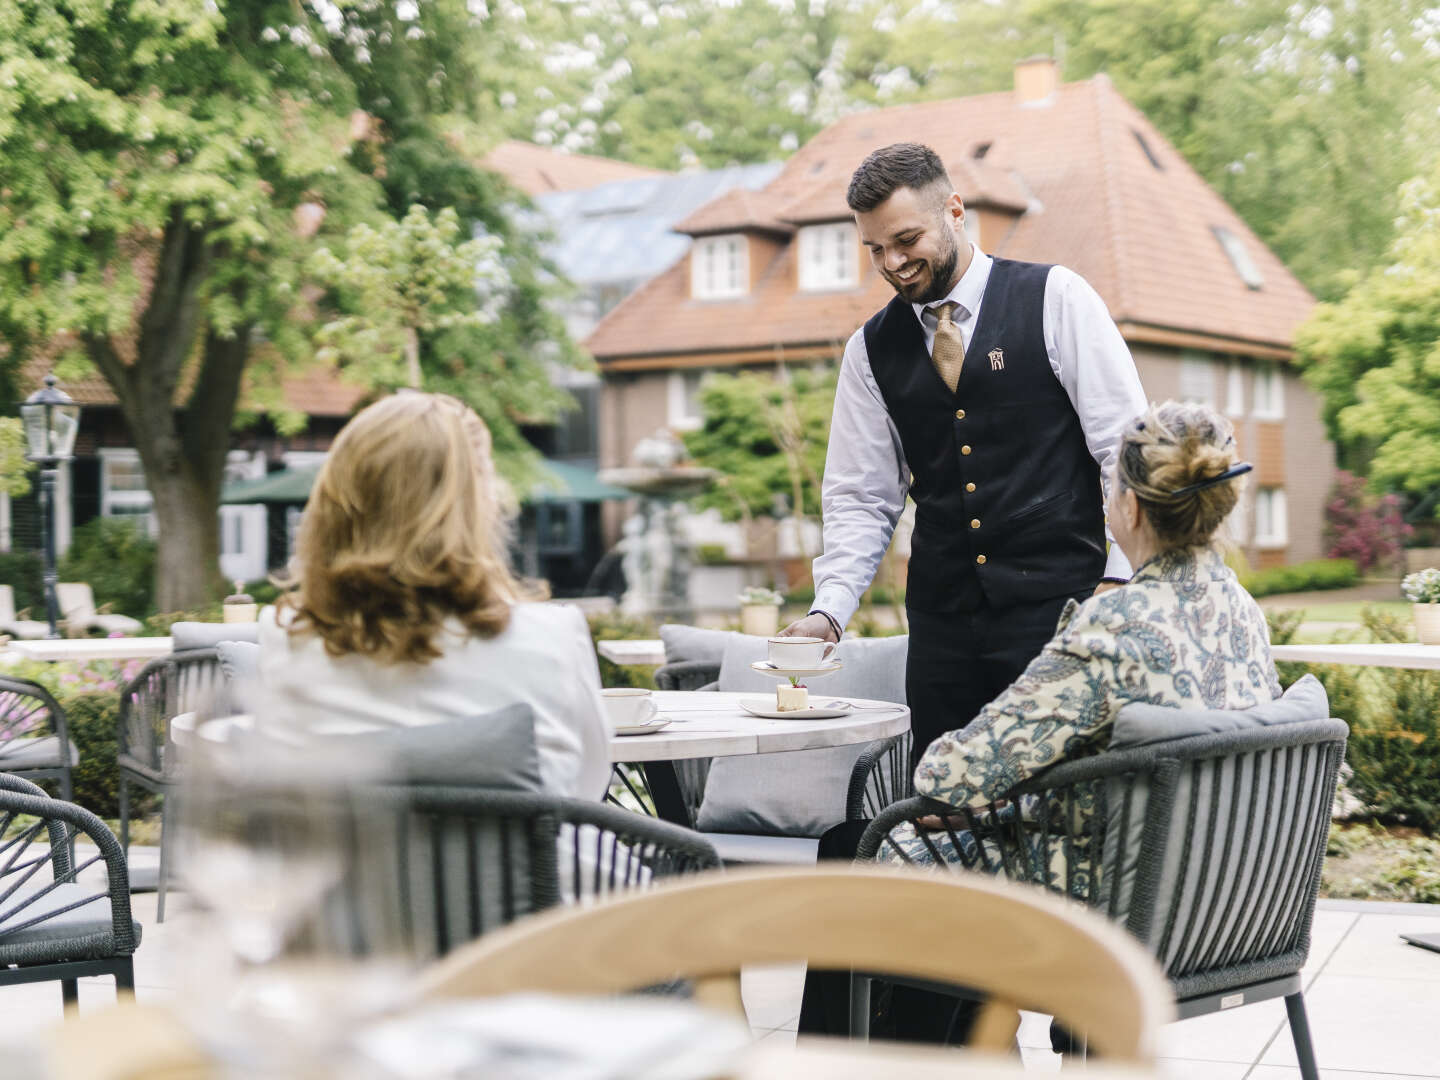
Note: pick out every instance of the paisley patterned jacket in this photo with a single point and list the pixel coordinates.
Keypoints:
(1183, 633)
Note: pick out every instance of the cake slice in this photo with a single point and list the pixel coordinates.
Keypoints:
(791, 698)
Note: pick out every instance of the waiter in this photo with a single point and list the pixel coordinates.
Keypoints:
(993, 392)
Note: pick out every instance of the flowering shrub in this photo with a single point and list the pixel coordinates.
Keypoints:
(757, 594)
(1422, 587)
(1360, 527)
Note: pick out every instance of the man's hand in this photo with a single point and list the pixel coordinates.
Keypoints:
(816, 625)
(1105, 586)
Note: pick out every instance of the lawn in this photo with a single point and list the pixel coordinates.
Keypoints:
(1349, 612)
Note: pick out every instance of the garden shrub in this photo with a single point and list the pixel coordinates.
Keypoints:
(24, 572)
(1302, 577)
(91, 718)
(618, 627)
(117, 560)
(1361, 527)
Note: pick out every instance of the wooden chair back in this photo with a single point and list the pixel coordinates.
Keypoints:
(1022, 948)
(75, 599)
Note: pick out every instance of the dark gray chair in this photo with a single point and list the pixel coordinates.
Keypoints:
(184, 682)
(51, 926)
(34, 742)
(1207, 848)
(473, 859)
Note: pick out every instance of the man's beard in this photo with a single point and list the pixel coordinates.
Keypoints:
(940, 277)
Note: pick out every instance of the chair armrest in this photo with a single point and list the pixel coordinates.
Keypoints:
(897, 814)
(882, 772)
(667, 848)
(80, 820)
(688, 675)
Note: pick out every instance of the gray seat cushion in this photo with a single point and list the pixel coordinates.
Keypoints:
(694, 643)
(204, 635)
(1142, 725)
(37, 753)
(240, 669)
(495, 750)
(86, 933)
(801, 793)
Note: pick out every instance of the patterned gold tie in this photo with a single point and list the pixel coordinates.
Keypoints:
(948, 352)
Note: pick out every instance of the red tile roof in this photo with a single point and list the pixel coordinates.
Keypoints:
(736, 210)
(1142, 236)
(538, 169)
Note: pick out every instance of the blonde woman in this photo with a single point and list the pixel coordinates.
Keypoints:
(404, 610)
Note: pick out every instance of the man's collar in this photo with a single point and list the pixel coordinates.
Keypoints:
(970, 289)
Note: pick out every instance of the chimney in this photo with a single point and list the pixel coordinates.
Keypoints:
(1036, 80)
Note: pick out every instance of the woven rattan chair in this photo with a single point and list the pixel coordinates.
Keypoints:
(183, 682)
(34, 742)
(472, 860)
(51, 926)
(1208, 849)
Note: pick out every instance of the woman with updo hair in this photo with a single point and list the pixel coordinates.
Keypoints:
(403, 611)
(1182, 632)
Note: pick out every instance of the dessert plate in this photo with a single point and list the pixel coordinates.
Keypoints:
(764, 706)
(653, 724)
(764, 667)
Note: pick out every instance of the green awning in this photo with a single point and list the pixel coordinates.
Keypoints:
(571, 483)
(290, 486)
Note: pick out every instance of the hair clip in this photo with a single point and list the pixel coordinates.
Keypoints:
(1240, 468)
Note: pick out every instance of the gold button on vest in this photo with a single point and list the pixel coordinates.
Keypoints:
(974, 523)
(969, 487)
(980, 560)
(965, 449)
(959, 414)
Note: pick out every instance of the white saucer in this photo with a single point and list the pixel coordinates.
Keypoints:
(764, 706)
(653, 724)
(764, 667)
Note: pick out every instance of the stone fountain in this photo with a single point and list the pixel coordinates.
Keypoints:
(655, 554)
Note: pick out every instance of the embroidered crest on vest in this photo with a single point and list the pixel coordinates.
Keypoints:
(997, 359)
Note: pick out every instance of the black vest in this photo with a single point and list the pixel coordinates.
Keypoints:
(1007, 495)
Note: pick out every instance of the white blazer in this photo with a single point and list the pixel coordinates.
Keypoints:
(544, 659)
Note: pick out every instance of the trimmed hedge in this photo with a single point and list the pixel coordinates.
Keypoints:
(1302, 577)
(92, 718)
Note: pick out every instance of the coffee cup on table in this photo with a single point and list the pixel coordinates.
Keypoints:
(799, 652)
(628, 705)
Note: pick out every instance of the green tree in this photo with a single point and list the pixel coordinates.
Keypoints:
(165, 171)
(1374, 356)
(14, 469)
(767, 437)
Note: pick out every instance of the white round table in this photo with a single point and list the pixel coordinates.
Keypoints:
(707, 724)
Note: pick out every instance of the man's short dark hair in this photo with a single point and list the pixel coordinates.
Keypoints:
(892, 167)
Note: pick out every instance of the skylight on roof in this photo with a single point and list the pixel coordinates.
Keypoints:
(981, 149)
(1239, 257)
(1145, 146)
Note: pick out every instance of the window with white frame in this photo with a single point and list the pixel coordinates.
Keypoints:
(122, 488)
(1197, 377)
(828, 257)
(1269, 399)
(1271, 529)
(719, 267)
(1234, 387)
(683, 412)
(1237, 525)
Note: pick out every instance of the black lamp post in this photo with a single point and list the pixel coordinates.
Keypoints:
(51, 420)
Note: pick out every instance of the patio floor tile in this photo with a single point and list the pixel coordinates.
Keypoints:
(1373, 949)
(1279, 1072)
(1370, 1025)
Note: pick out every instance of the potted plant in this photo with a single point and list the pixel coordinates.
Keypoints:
(760, 611)
(1422, 589)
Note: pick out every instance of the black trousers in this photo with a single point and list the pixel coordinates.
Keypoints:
(959, 662)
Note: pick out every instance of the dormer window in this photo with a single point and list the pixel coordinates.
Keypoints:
(1239, 257)
(719, 267)
(828, 257)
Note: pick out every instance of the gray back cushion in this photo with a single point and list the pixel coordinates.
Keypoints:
(801, 793)
(1139, 725)
(240, 667)
(494, 750)
(206, 635)
(693, 643)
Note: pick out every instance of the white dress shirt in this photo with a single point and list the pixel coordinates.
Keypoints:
(866, 477)
(544, 659)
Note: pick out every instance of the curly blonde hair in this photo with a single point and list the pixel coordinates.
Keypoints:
(1171, 447)
(405, 528)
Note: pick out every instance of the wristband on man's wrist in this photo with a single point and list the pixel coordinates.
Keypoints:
(1115, 580)
(834, 623)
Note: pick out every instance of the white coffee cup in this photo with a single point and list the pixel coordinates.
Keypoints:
(628, 705)
(799, 652)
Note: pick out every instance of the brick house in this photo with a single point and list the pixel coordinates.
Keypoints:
(1069, 174)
